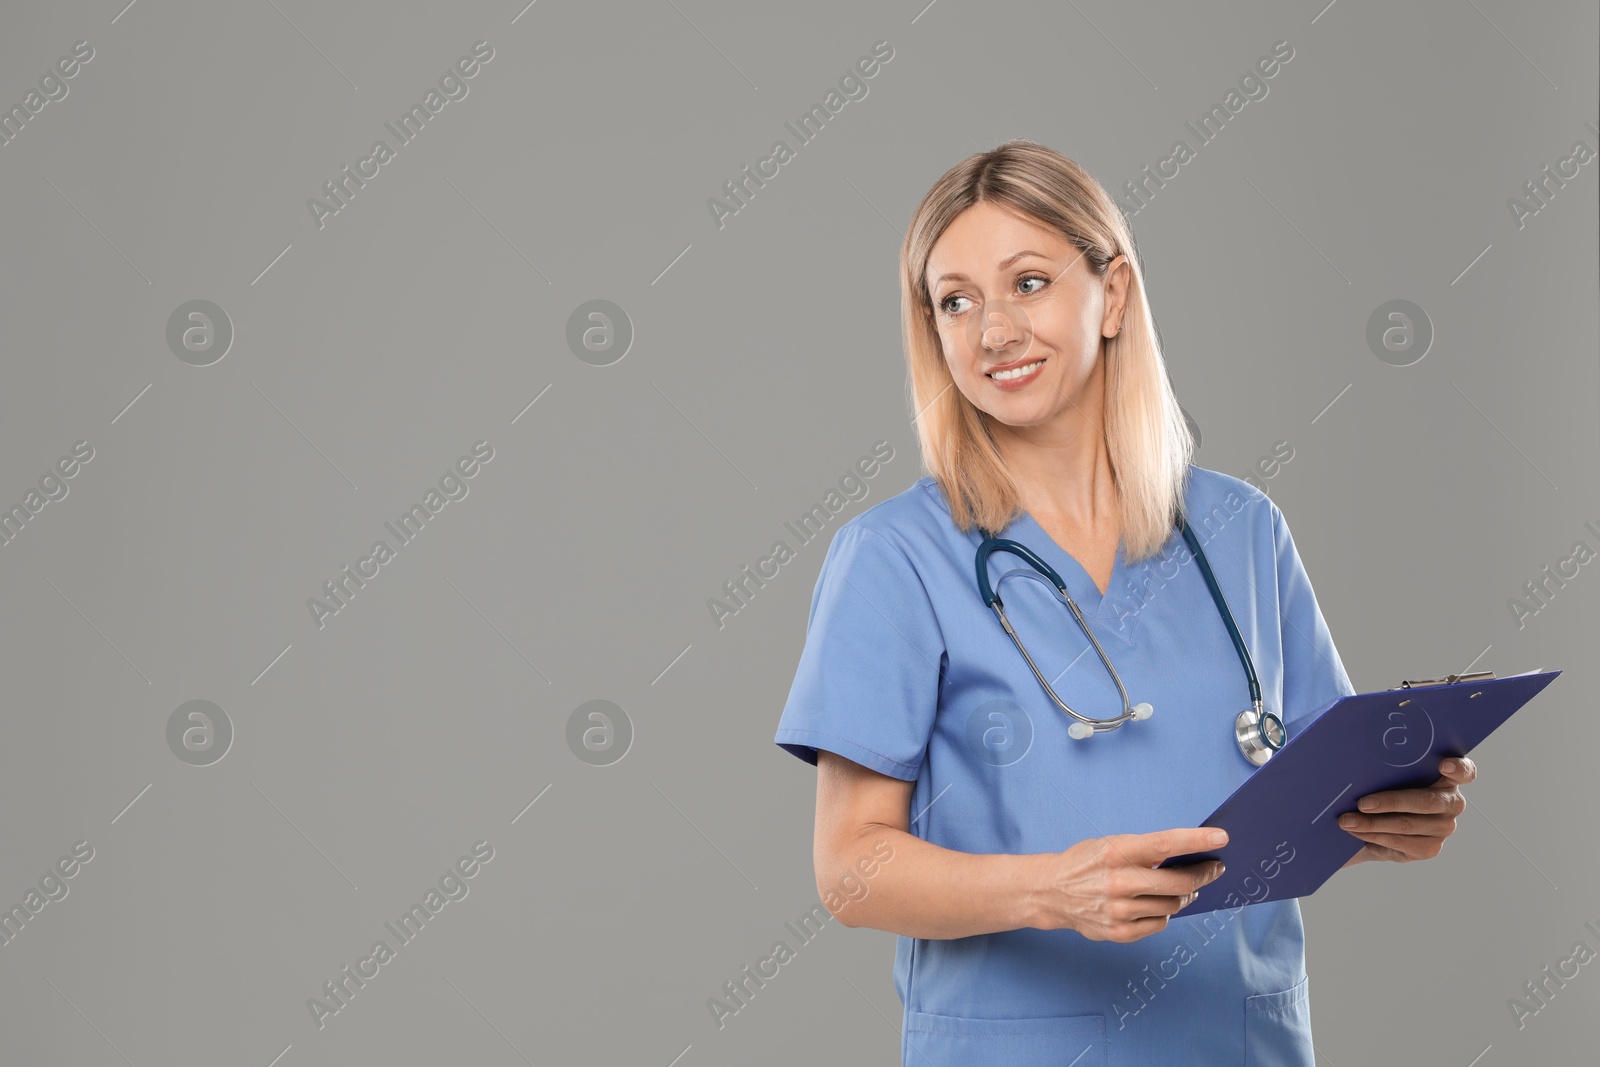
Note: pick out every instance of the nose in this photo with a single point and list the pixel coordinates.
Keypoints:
(997, 328)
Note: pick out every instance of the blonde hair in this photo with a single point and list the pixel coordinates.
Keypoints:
(1147, 438)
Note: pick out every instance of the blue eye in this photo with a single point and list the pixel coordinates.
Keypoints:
(944, 305)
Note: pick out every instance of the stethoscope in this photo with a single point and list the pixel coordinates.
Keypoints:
(1258, 732)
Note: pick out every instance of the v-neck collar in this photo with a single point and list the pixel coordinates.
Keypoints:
(1085, 593)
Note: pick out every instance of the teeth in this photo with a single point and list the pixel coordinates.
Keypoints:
(1016, 372)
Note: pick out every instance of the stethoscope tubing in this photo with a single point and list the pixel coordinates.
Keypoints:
(991, 544)
(1098, 724)
(1223, 610)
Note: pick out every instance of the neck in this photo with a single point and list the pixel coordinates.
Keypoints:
(1063, 469)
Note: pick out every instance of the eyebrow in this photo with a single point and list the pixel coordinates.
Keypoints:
(1004, 263)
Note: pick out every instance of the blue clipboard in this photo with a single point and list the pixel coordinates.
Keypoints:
(1284, 838)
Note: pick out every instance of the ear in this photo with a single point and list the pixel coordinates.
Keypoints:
(1117, 278)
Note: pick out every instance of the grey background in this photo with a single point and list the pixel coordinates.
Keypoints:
(370, 754)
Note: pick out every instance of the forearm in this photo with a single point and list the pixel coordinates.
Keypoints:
(929, 891)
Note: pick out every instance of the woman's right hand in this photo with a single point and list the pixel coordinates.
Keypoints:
(1107, 888)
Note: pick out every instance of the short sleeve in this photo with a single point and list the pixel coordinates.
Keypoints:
(1313, 674)
(867, 685)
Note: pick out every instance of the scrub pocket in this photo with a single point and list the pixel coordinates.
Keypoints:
(1277, 1028)
(961, 1041)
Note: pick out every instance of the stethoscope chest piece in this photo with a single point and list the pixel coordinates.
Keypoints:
(1259, 733)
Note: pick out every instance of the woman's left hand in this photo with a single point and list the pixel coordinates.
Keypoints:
(1410, 824)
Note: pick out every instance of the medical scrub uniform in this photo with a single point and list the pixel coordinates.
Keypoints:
(906, 671)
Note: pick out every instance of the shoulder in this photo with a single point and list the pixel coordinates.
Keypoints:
(916, 512)
(1212, 494)
(913, 527)
(1215, 502)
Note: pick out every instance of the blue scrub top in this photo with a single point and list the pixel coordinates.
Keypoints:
(906, 671)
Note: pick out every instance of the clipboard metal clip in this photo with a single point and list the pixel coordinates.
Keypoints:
(1450, 679)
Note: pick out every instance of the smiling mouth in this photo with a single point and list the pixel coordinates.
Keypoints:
(1016, 372)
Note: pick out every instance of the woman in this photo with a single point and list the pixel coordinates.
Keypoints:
(1017, 861)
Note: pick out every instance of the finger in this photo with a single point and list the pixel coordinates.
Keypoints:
(1400, 824)
(1155, 905)
(1136, 929)
(1458, 769)
(1139, 882)
(1383, 852)
(1117, 845)
(1148, 850)
(1440, 801)
(1412, 848)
